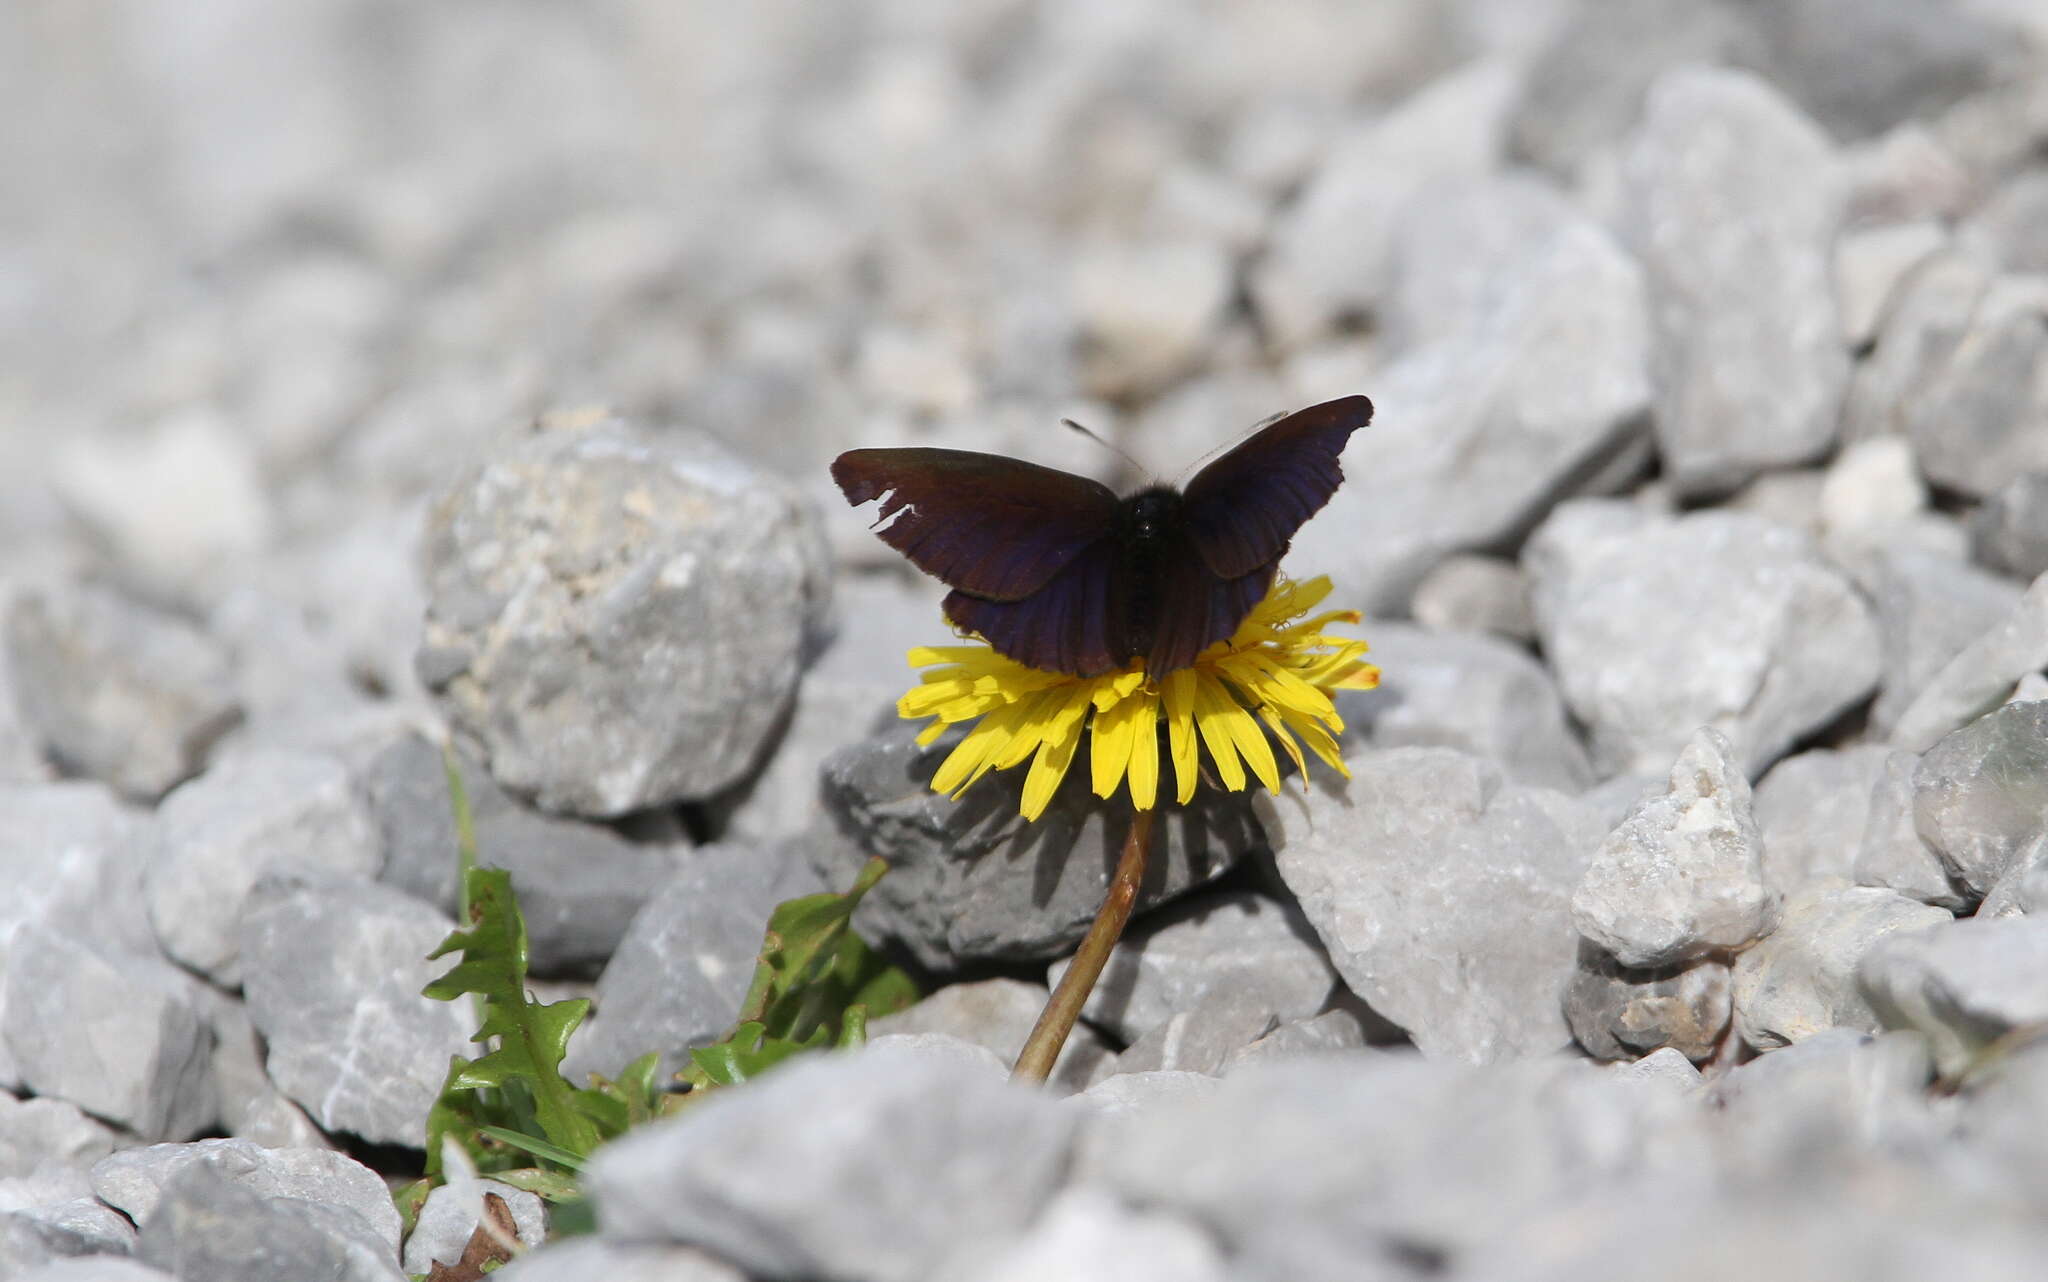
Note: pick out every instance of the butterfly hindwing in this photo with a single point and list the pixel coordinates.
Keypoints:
(998, 528)
(1197, 608)
(1241, 511)
(1073, 624)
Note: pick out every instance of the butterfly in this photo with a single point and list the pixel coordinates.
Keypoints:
(1057, 572)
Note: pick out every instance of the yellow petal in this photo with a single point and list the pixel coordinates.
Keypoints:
(1279, 729)
(1245, 736)
(1210, 719)
(1061, 736)
(1179, 693)
(1145, 753)
(1109, 747)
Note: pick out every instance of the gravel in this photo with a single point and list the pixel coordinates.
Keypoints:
(388, 377)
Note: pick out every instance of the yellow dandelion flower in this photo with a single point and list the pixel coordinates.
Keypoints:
(1269, 682)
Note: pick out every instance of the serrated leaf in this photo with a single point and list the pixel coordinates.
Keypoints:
(532, 1037)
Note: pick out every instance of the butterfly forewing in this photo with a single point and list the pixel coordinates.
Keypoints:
(996, 527)
(1241, 511)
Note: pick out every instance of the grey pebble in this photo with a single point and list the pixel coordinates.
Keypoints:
(579, 883)
(218, 835)
(1980, 796)
(1658, 626)
(2009, 530)
(1682, 876)
(1223, 954)
(327, 962)
(1442, 894)
(971, 881)
(118, 690)
(1811, 810)
(207, 1225)
(1618, 1012)
(1981, 675)
(1732, 198)
(999, 1014)
(135, 1179)
(1962, 984)
(1893, 854)
(1800, 980)
(944, 1156)
(618, 615)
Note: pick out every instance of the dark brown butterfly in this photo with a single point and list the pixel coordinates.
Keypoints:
(1058, 573)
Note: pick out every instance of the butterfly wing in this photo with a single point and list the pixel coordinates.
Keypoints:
(994, 527)
(1197, 608)
(1242, 510)
(1073, 624)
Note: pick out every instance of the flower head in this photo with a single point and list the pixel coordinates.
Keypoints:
(1274, 674)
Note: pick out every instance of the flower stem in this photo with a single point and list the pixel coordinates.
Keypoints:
(1035, 1062)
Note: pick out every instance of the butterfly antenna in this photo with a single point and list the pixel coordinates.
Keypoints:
(1111, 447)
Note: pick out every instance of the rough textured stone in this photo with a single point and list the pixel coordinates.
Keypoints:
(1893, 855)
(206, 1225)
(74, 859)
(1472, 692)
(1963, 984)
(970, 880)
(1194, 1041)
(999, 1014)
(1616, 1012)
(1471, 593)
(1342, 1167)
(579, 884)
(2023, 889)
(1872, 490)
(1981, 675)
(1800, 980)
(135, 1179)
(251, 1106)
(1586, 87)
(95, 1268)
(850, 691)
(1331, 1032)
(1477, 433)
(1682, 876)
(1442, 895)
(1810, 814)
(1146, 310)
(1840, 1090)
(1926, 317)
(118, 690)
(137, 1047)
(1656, 627)
(1982, 417)
(1328, 257)
(448, 1219)
(39, 1134)
(1869, 264)
(2009, 531)
(1088, 1235)
(2006, 228)
(944, 1157)
(618, 615)
(1929, 607)
(174, 500)
(333, 972)
(1861, 68)
(680, 973)
(1732, 199)
(249, 814)
(578, 1259)
(1980, 796)
(1210, 956)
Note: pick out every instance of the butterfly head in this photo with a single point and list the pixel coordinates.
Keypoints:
(1150, 514)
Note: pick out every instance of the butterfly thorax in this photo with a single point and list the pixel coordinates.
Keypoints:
(1150, 521)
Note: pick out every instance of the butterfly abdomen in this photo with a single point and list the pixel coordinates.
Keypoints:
(1149, 526)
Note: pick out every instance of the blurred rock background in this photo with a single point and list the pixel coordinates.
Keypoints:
(376, 374)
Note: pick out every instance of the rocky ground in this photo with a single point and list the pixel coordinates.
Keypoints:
(1677, 919)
